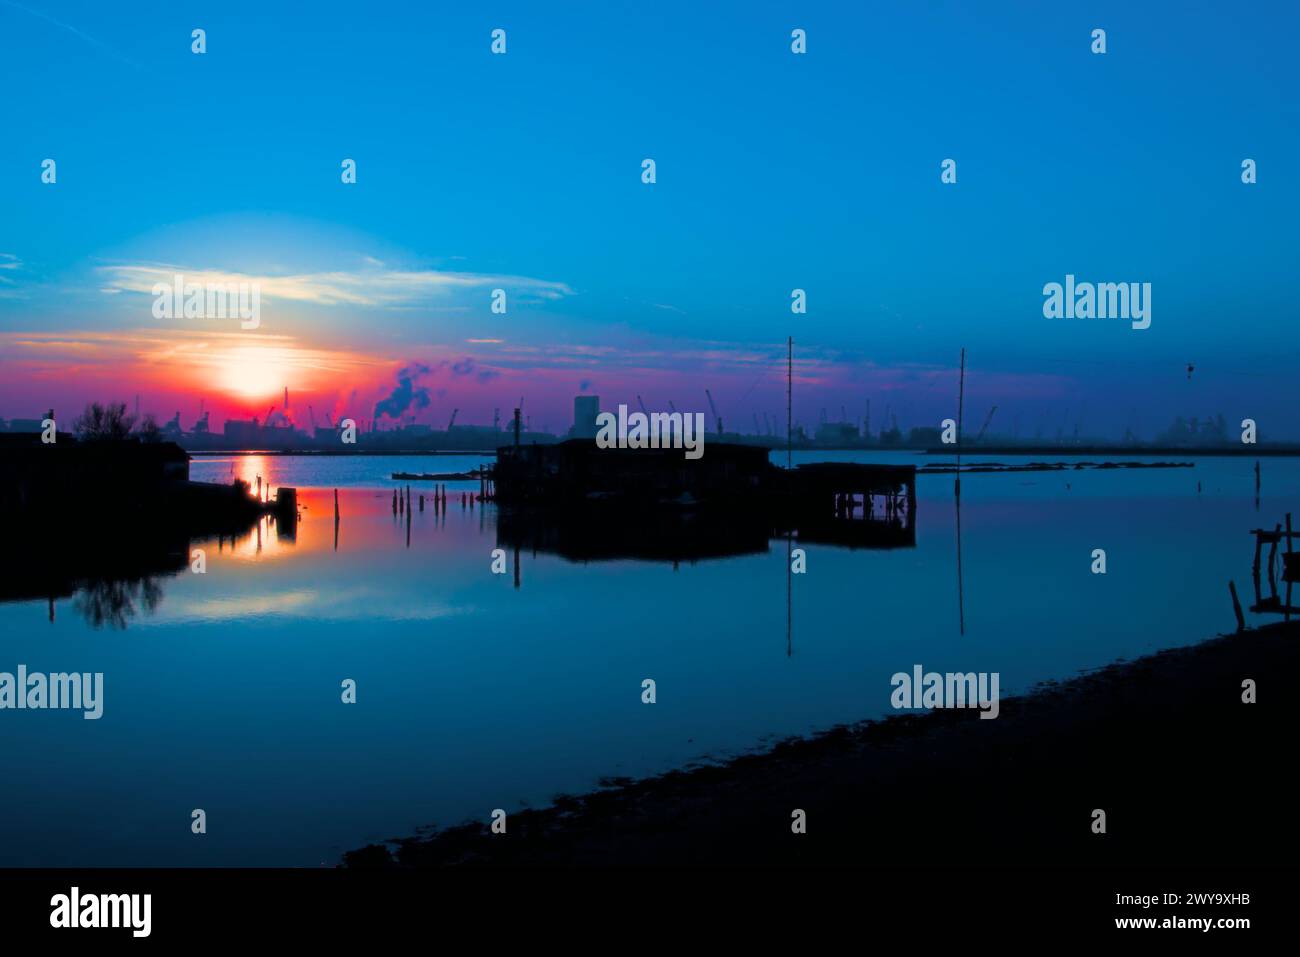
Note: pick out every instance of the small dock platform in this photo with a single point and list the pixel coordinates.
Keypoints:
(842, 503)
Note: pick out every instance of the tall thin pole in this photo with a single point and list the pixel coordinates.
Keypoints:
(789, 389)
(961, 402)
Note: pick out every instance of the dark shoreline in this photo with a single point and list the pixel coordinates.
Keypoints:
(1187, 774)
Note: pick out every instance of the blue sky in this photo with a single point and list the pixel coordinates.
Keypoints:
(775, 171)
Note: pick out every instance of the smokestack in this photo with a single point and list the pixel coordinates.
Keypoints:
(516, 428)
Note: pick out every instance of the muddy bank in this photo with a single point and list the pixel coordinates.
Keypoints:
(1186, 772)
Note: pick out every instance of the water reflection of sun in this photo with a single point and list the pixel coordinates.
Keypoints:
(262, 540)
(255, 470)
(259, 542)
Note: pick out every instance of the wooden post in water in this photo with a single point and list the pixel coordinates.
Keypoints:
(1236, 606)
(961, 403)
(1272, 552)
(1287, 615)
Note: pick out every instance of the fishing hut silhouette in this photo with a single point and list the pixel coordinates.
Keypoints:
(584, 502)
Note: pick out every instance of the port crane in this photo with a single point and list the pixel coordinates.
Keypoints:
(452, 421)
(714, 409)
(987, 419)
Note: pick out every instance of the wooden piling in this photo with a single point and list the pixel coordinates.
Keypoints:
(1272, 552)
(1236, 606)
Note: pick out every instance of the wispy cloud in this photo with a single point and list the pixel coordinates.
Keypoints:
(192, 356)
(376, 287)
(9, 265)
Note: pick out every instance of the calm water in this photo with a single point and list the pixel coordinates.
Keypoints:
(224, 692)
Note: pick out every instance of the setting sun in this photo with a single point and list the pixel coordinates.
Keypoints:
(255, 371)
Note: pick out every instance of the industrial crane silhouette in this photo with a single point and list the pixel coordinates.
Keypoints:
(714, 409)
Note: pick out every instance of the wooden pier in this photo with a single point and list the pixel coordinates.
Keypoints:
(1278, 535)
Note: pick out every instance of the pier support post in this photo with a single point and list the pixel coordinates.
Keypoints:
(1236, 606)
